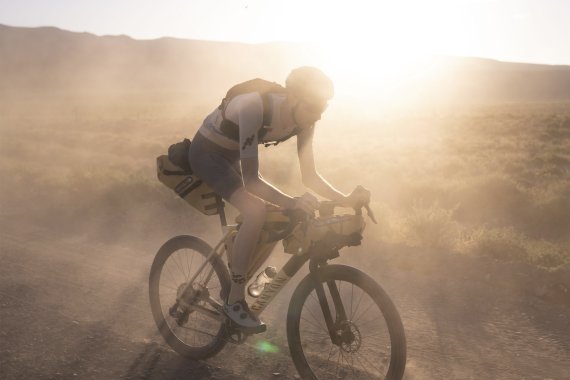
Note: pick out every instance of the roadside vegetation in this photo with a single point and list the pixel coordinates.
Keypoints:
(481, 180)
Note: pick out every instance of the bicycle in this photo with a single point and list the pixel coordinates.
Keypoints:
(357, 333)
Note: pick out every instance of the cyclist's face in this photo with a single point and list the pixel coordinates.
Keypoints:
(309, 112)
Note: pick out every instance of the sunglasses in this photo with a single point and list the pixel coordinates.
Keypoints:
(314, 107)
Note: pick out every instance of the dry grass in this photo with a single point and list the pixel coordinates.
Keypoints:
(491, 180)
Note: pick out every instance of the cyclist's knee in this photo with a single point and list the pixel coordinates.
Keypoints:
(250, 207)
(256, 211)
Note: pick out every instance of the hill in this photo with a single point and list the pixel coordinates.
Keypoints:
(48, 59)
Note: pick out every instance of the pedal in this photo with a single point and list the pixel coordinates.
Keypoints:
(253, 330)
(238, 334)
(235, 336)
(248, 330)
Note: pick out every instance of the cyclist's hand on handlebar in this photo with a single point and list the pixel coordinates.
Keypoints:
(358, 198)
(307, 203)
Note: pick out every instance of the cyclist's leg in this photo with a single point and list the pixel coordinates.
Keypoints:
(253, 212)
(219, 168)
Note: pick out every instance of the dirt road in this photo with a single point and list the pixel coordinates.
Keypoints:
(78, 308)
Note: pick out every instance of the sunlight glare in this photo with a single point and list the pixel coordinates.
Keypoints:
(381, 51)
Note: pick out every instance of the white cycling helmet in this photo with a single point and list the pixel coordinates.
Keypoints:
(310, 83)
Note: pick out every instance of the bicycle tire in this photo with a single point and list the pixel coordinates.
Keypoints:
(390, 316)
(168, 250)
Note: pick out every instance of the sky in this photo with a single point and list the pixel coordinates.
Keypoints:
(509, 30)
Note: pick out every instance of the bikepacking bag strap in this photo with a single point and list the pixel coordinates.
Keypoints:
(178, 155)
(188, 186)
(264, 88)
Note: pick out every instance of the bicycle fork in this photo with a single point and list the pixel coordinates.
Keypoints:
(315, 267)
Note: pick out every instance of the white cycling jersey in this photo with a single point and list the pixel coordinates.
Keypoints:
(246, 110)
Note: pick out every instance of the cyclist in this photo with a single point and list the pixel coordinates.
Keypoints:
(227, 160)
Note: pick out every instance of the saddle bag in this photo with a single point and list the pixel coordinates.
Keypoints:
(187, 186)
(178, 154)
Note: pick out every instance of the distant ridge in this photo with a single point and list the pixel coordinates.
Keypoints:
(50, 59)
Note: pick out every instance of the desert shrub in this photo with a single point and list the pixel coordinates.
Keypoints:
(494, 200)
(547, 254)
(507, 244)
(429, 227)
(551, 216)
(499, 243)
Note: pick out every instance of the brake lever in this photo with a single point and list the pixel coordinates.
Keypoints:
(370, 213)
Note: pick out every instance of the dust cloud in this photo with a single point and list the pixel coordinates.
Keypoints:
(465, 190)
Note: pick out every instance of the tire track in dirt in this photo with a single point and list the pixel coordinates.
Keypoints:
(70, 305)
(83, 292)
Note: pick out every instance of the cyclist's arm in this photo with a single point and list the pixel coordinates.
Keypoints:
(256, 185)
(250, 117)
(311, 178)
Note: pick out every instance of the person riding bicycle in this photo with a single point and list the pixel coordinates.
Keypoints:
(224, 154)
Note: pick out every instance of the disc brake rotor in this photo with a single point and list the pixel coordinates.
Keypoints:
(350, 337)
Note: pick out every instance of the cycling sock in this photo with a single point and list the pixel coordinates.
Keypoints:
(237, 291)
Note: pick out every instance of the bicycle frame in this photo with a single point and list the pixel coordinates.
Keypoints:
(318, 257)
(271, 289)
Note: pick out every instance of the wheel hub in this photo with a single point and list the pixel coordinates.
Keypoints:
(180, 310)
(192, 294)
(350, 338)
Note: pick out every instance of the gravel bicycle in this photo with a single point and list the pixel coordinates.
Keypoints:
(340, 322)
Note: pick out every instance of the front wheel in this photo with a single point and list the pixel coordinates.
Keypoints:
(189, 317)
(369, 340)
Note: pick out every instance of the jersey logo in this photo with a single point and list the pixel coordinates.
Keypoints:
(248, 142)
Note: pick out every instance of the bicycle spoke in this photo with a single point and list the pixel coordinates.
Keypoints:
(373, 319)
(364, 350)
(172, 277)
(364, 369)
(358, 303)
(316, 333)
(312, 324)
(188, 266)
(203, 270)
(317, 320)
(336, 370)
(370, 365)
(172, 288)
(199, 329)
(364, 312)
(178, 265)
(383, 332)
(181, 265)
(352, 366)
(323, 362)
(351, 298)
(377, 345)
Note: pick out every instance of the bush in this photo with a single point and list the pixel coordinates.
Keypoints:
(429, 227)
(506, 244)
(500, 243)
(547, 254)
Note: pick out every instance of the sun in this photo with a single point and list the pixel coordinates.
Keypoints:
(379, 49)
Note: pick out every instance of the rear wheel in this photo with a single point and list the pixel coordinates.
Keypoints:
(370, 341)
(190, 321)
